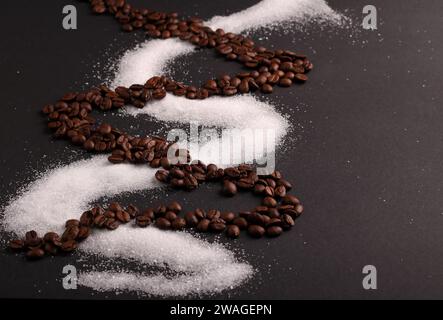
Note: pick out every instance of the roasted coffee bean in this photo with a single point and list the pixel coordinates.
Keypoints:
(32, 239)
(178, 224)
(52, 237)
(170, 215)
(115, 206)
(228, 217)
(162, 175)
(72, 223)
(259, 188)
(203, 225)
(163, 223)
(123, 216)
(241, 223)
(200, 213)
(233, 231)
(286, 184)
(287, 221)
(51, 249)
(256, 231)
(217, 225)
(143, 221)
(132, 210)
(70, 233)
(191, 219)
(35, 253)
(83, 232)
(268, 191)
(273, 213)
(16, 245)
(69, 245)
(285, 82)
(274, 231)
(175, 207)
(269, 202)
(266, 88)
(112, 224)
(104, 129)
(280, 191)
(213, 214)
(290, 199)
(87, 218)
(255, 218)
(300, 77)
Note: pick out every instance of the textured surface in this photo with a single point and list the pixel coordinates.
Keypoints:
(367, 163)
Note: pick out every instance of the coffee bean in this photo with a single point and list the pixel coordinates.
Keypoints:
(259, 188)
(123, 216)
(241, 223)
(16, 245)
(203, 225)
(285, 82)
(217, 225)
(233, 231)
(112, 224)
(191, 219)
(228, 217)
(52, 237)
(287, 221)
(255, 218)
(83, 233)
(163, 223)
(269, 202)
(72, 223)
(290, 199)
(69, 245)
(274, 231)
(143, 221)
(35, 253)
(104, 129)
(70, 233)
(256, 231)
(87, 218)
(300, 77)
(266, 88)
(51, 249)
(132, 210)
(175, 207)
(280, 191)
(213, 214)
(170, 215)
(178, 224)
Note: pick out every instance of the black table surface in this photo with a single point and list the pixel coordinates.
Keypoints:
(365, 151)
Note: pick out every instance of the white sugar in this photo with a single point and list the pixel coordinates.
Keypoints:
(194, 266)
(268, 13)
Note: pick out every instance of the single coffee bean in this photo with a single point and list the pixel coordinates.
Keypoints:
(178, 224)
(175, 207)
(143, 221)
(280, 191)
(217, 225)
(132, 210)
(298, 209)
(163, 223)
(287, 221)
(70, 233)
(72, 223)
(83, 232)
(123, 216)
(233, 231)
(241, 223)
(285, 82)
(35, 253)
(229, 188)
(259, 188)
(274, 231)
(213, 214)
(170, 215)
(300, 77)
(69, 245)
(87, 218)
(203, 225)
(269, 202)
(266, 88)
(191, 219)
(115, 207)
(16, 245)
(256, 231)
(290, 199)
(52, 237)
(255, 218)
(228, 217)
(112, 224)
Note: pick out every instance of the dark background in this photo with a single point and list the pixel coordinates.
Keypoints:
(365, 152)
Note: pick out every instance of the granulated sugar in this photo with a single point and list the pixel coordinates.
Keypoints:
(194, 266)
(65, 192)
(268, 13)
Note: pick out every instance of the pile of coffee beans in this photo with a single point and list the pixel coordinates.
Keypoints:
(70, 118)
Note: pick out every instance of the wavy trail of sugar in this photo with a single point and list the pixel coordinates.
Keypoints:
(197, 267)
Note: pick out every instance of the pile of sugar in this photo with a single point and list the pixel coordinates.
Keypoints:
(268, 13)
(197, 266)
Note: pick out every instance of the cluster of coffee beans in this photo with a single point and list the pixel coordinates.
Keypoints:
(70, 118)
(263, 220)
(269, 67)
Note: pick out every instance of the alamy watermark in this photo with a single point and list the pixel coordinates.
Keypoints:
(69, 282)
(69, 21)
(370, 18)
(226, 147)
(370, 279)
